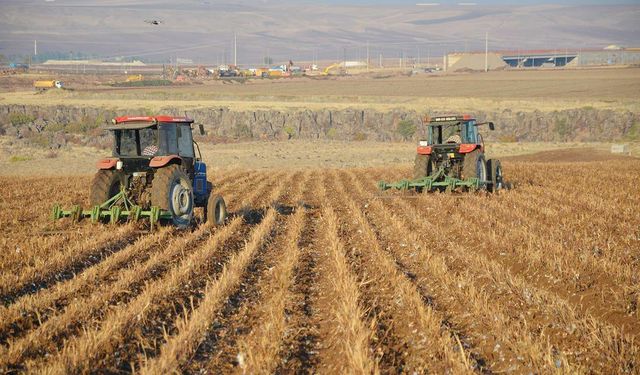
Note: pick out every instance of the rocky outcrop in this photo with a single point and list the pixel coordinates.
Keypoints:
(584, 125)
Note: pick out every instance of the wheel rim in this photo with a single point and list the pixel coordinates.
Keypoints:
(181, 199)
(498, 182)
(481, 170)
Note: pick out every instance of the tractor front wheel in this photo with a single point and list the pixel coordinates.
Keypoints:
(172, 191)
(105, 185)
(216, 211)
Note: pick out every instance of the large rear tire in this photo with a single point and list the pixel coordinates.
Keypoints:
(172, 191)
(495, 175)
(105, 185)
(422, 167)
(474, 166)
(216, 211)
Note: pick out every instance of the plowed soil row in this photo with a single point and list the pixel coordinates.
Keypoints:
(318, 272)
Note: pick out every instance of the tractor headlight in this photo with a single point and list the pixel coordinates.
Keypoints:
(119, 165)
(423, 143)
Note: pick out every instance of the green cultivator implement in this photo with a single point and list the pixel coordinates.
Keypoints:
(117, 208)
(437, 181)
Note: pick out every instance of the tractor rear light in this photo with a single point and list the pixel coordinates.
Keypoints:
(465, 148)
(119, 165)
(424, 150)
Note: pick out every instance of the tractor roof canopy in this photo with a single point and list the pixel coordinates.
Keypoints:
(446, 120)
(141, 122)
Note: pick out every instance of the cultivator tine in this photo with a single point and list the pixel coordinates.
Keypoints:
(115, 214)
(57, 212)
(76, 213)
(134, 213)
(95, 214)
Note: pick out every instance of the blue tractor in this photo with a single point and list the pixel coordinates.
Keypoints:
(153, 173)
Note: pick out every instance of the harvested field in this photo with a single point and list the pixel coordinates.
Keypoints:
(318, 272)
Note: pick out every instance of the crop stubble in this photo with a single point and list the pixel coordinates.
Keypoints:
(316, 272)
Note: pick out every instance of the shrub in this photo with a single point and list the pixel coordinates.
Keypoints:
(359, 136)
(332, 133)
(407, 129)
(18, 158)
(290, 130)
(17, 119)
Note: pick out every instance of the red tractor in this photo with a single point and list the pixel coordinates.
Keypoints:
(153, 172)
(452, 157)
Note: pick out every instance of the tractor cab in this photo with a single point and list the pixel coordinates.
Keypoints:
(145, 141)
(452, 134)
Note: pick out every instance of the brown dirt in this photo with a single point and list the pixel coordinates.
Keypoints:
(539, 279)
(571, 155)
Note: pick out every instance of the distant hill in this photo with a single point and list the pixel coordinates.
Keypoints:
(203, 30)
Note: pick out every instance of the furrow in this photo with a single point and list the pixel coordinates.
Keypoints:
(193, 325)
(343, 325)
(524, 321)
(130, 319)
(410, 332)
(65, 265)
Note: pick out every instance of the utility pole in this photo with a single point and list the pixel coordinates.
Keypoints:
(380, 60)
(367, 55)
(235, 49)
(486, 52)
(35, 48)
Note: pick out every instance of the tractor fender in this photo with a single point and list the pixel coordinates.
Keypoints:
(466, 148)
(161, 161)
(108, 163)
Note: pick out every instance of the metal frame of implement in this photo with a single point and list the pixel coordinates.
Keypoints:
(117, 207)
(436, 180)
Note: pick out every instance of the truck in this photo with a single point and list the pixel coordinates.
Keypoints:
(45, 85)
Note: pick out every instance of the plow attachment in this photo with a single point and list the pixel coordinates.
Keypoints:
(117, 208)
(437, 181)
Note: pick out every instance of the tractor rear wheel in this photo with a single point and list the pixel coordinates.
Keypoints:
(172, 191)
(215, 213)
(422, 167)
(474, 166)
(495, 175)
(105, 185)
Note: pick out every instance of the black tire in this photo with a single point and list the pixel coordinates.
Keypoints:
(172, 190)
(474, 166)
(105, 184)
(495, 175)
(215, 213)
(422, 167)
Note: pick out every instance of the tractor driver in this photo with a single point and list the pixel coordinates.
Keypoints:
(147, 142)
(455, 138)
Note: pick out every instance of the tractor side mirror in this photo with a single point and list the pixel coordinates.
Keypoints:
(492, 126)
(201, 127)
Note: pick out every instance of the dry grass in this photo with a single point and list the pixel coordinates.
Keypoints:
(318, 272)
(222, 159)
(514, 90)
